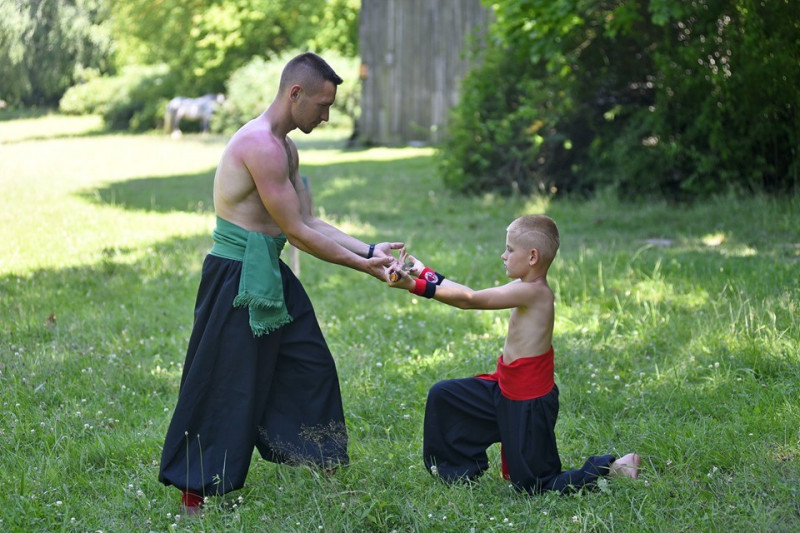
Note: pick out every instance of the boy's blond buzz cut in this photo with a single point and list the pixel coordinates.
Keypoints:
(537, 231)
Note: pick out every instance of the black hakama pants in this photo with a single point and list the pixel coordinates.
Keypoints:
(278, 392)
(463, 417)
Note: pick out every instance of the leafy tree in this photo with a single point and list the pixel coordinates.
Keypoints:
(204, 41)
(45, 46)
(337, 27)
(14, 83)
(660, 97)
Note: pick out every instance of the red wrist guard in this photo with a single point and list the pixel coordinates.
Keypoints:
(429, 274)
(423, 288)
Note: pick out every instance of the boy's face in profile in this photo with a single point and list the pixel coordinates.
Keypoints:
(516, 258)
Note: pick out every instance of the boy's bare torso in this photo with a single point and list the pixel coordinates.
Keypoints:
(530, 328)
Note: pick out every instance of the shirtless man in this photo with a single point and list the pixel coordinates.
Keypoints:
(258, 371)
(518, 404)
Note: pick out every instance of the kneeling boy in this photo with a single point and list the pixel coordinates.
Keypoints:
(517, 405)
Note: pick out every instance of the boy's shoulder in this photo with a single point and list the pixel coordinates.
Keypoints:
(537, 285)
(532, 292)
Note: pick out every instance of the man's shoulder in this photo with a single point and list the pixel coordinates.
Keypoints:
(253, 141)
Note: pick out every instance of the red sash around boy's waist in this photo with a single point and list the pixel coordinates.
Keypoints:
(525, 378)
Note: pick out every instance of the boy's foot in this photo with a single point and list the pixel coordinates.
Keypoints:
(627, 466)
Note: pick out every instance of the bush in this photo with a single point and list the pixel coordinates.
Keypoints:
(499, 140)
(133, 100)
(673, 99)
(91, 97)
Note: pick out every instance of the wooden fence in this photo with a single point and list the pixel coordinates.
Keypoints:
(414, 55)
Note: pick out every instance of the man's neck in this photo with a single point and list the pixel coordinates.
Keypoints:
(279, 119)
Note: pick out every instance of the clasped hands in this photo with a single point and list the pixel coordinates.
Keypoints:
(395, 271)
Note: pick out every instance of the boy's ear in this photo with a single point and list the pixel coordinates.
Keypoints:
(534, 258)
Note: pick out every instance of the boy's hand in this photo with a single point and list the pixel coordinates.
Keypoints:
(399, 278)
(411, 264)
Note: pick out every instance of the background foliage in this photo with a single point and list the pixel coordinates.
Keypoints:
(204, 41)
(47, 45)
(648, 98)
(673, 98)
(125, 59)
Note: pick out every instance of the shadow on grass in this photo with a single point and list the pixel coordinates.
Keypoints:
(16, 114)
(118, 318)
(123, 319)
(186, 192)
(98, 132)
(345, 188)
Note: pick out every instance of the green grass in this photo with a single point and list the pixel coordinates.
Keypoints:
(676, 336)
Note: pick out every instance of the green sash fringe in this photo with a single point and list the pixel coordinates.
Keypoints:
(261, 285)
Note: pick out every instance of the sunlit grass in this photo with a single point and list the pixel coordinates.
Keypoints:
(675, 337)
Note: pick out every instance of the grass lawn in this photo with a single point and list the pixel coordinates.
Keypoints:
(677, 337)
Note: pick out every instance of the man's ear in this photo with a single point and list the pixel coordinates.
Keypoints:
(294, 92)
(534, 257)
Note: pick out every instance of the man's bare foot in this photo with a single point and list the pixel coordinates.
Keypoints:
(627, 466)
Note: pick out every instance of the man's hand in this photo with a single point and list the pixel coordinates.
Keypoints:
(384, 249)
(377, 267)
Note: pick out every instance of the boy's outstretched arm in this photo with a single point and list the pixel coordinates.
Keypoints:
(514, 294)
(416, 268)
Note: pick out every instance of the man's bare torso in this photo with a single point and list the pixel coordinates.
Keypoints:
(236, 196)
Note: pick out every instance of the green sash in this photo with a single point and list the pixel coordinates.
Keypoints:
(260, 285)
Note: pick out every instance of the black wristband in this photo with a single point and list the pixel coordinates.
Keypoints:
(430, 289)
(423, 288)
(371, 251)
